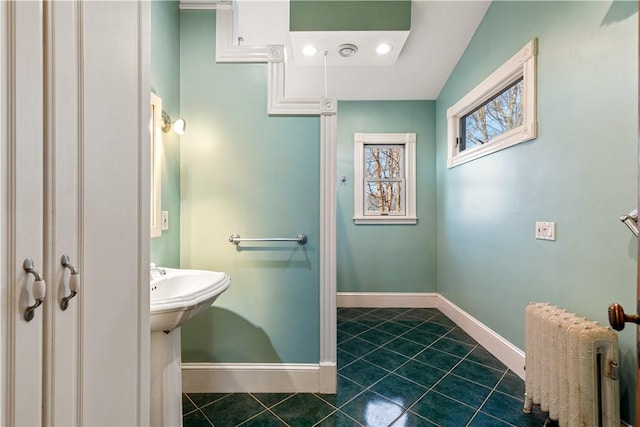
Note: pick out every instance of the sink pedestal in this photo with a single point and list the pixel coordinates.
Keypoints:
(166, 378)
(176, 295)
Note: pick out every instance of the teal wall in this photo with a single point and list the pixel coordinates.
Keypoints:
(247, 173)
(394, 257)
(165, 82)
(580, 172)
(244, 172)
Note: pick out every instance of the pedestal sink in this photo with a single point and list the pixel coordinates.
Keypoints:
(176, 296)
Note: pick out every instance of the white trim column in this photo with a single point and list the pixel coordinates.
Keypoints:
(328, 321)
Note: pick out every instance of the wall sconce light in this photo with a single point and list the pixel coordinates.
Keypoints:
(178, 126)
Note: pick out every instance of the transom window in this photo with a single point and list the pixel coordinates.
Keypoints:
(496, 114)
(385, 178)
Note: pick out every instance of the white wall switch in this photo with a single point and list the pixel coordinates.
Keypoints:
(545, 230)
(164, 220)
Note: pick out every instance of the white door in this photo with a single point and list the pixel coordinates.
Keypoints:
(74, 163)
(22, 207)
(114, 213)
(617, 316)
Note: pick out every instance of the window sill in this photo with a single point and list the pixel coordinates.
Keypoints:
(385, 220)
(508, 139)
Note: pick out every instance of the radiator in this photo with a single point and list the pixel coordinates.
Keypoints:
(571, 367)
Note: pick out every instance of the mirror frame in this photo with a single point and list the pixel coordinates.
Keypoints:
(156, 165)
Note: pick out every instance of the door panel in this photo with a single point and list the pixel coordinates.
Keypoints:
(638, 261)
(23, 232)
(114, 213)
(83, 89)
(61, 202)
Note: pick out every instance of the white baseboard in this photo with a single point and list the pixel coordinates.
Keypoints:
(387, 299)
(321, 378)
(258, 378)
(328, 381)
(502, 349)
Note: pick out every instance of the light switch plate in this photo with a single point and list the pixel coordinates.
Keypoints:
(545, 230)
(164, 220)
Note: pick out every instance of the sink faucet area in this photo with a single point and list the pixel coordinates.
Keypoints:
(155, 269)
(176, 295)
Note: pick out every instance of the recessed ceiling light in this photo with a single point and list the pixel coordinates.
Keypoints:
(383, 48)
(309, 50)
(347, 50)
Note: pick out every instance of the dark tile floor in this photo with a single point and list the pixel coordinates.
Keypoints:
(396, 367)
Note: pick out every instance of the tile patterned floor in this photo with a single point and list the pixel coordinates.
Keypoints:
(396, 367)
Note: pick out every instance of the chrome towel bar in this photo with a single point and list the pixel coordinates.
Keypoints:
(300, 238)
(631, 221)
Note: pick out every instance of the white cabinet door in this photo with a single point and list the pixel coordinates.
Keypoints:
(83, 192)
(114, 206)
(21, 196)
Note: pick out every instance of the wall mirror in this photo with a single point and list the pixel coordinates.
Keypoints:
(156, 159)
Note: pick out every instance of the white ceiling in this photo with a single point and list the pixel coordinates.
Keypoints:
(440, 32)
(330, 41)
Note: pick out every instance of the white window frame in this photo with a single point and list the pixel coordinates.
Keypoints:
(408, 140)
(521, 65)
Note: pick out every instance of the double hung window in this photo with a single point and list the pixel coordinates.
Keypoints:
(385, 178)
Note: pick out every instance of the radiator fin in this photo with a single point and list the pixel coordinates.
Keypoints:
(571, 368)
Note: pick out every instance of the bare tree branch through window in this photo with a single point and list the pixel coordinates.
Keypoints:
(493, 118)
(384, 178)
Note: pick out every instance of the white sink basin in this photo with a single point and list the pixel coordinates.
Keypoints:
(179, 295)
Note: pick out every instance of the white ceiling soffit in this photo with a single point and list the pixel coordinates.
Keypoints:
(440, 32)
(330, 41)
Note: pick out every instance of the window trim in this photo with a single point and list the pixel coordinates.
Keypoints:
(521, 65)
(409, 142)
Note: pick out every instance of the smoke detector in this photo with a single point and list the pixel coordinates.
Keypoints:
(347, 50)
